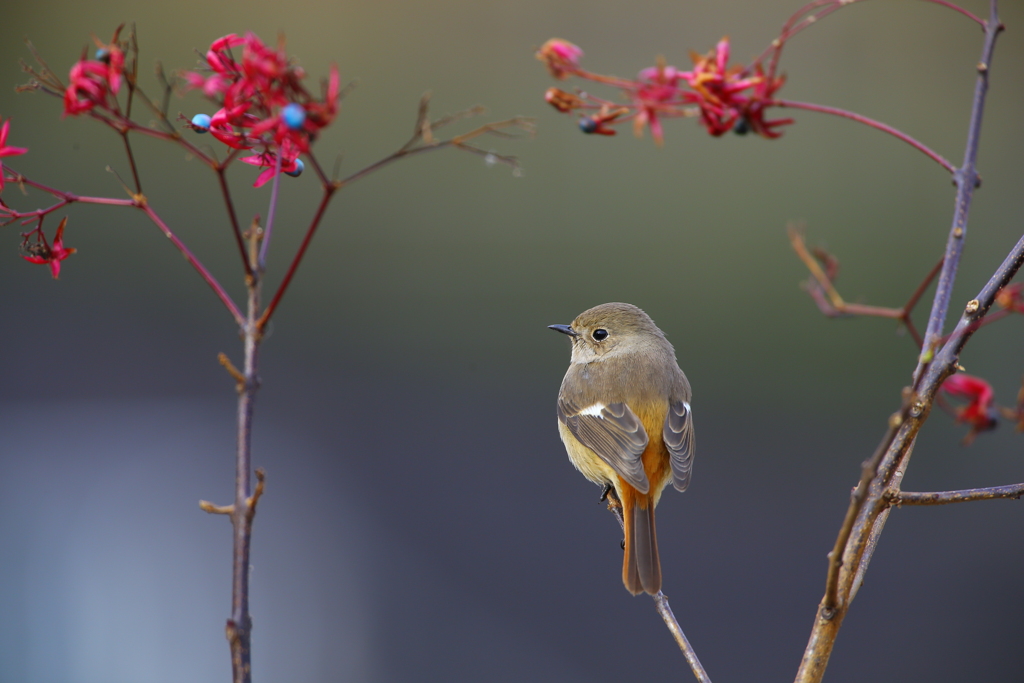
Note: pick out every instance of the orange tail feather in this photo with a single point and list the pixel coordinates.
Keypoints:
(641, 565)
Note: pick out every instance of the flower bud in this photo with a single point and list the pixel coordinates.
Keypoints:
(561, 57)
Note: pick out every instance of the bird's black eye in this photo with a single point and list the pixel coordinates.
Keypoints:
(599, 334)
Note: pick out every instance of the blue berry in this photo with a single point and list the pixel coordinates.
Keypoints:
(103, 55)
(588, 125)
(201, 123)
(293, 116)
(299, 166)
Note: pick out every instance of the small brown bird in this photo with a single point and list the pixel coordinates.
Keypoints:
(624, 417)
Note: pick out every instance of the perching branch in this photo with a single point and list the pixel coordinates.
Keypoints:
(661, 602)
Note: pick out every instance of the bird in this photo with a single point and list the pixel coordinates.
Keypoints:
(625, 418)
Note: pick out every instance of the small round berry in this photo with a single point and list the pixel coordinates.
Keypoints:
(103, 55)
(588, 124)
(299, 166)
(742, 126)
(293, 116)
(201, 123)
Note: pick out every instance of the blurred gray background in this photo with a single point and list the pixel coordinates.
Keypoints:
(422, 522)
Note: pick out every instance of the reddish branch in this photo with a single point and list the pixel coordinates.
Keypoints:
(821, 288)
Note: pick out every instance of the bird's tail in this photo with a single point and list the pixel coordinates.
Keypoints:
(641, 566)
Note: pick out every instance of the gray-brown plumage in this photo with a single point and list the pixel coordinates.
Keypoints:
(625, 419)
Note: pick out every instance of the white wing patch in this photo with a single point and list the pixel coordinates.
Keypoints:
(594, 410)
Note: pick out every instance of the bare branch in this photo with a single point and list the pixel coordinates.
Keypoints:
(661, 603)
(932, 370)
(899, 498)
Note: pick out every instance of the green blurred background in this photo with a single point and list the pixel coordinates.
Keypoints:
(422, 521)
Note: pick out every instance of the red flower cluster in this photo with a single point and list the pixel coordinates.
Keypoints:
(42, 253)
(725, 98)
(980, 411)
(94, 82)
(263, 103)
(722, 94)
(6, 151)
(1010, 297)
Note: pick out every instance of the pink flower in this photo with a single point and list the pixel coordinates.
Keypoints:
(561, 57)
(657, 89)
(93, 79)
(253, 92)
(6, 151)
(224, 122)
(42, 253)
(979, 411)
(113, 56)
(290, 163)
(88, 87)
(725, 98)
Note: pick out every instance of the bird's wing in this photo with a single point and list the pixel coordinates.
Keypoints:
(612, 431)
(678, 436)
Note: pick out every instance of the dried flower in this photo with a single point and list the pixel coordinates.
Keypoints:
(42, 253)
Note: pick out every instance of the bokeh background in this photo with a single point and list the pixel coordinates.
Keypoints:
(422, 522)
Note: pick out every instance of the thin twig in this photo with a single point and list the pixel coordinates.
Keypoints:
(261, 262)
(899, 498)
(878, 125)
(966, 179)
(459, 141)
(822, 288)
(190, 257)
(229, 204)
(661, 603)
(329, 191)
(235, 373)
(131, 162)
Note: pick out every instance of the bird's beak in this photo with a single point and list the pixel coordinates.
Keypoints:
(564, 329)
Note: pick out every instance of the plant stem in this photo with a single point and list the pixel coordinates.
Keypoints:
(221, 170)
(268, 231)
(200, 268)
(967, 180)
(822, 109)
(239, 626)
(329, 191)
